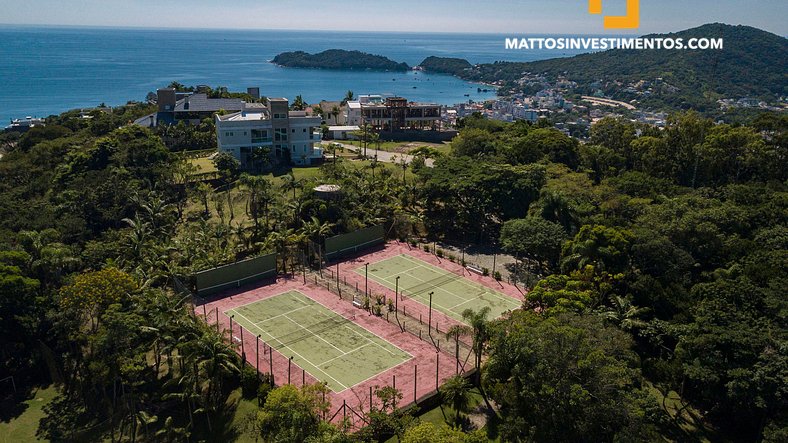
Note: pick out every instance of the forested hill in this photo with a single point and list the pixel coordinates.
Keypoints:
(339, 59)
(753, 63)
(445, 65)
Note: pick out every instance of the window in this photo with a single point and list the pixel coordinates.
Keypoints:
(280, 134)
(260, 136)
(293, 131)
(304, 129)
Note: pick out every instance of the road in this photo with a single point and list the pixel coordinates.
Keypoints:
(385, 156)
(608, 102)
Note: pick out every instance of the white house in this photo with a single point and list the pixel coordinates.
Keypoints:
(289, 135)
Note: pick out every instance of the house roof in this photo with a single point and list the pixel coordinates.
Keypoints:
(201, 103)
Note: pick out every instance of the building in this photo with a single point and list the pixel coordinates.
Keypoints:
(343, 132)
(396, 114)
(190, 107)
(291, 136)
(24, 124)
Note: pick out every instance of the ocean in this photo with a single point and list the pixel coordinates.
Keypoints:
(48, 70)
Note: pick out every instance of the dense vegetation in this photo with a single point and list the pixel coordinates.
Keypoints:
(753, 63)
(656, 260)
(339, 59)
(445, 65)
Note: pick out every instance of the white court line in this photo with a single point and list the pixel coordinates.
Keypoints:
(362, 328)
(313, 333)
(267, 298)
(421, 296)
(280, 315)
(370, 341)
(346, 353)
(331, 313)
(294, 352)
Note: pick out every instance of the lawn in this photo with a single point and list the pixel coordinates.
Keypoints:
(401, 146)
(443, 416)
(24, 426)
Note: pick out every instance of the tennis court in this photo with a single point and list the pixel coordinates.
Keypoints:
(453, 293)
(327, 345)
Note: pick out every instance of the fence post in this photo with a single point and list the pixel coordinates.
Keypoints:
(271, 363)
(415, 381)
(437, 365)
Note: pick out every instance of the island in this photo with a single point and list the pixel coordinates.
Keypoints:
(338, 59)
(445, 65)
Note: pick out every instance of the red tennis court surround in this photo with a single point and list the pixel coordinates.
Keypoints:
(414, 378)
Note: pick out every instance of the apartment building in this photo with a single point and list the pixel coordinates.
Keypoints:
(291, 136)
(393, 114)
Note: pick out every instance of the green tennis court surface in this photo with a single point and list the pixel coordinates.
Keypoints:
(330, 347)
(452, 293)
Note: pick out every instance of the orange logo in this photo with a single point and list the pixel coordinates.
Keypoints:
(629, 21)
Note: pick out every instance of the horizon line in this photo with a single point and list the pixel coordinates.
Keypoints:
(620, 32)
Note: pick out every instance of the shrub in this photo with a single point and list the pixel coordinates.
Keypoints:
(485, 272)
(263, 390)
(439, 253)
(366, 303)
(497, 275)
(426, 248)
(413, 243)
(250, 381)
(391, 305)
(377, 310)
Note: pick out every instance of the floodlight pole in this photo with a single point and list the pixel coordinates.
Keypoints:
(429, 327)
(366, 279)
(337, 274)
(396, 295)
(289, 363)
(231, 328)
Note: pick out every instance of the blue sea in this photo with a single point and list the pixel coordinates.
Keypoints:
(48, 70)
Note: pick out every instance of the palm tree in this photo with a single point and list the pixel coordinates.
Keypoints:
(349, 96)
(625, 315)
(480, 327)
(455, 393)
(455, 332)
(202, 192)
(289, 182)
(258, 193)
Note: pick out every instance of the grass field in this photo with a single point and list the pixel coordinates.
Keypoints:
(330, 347)
(452, 293)
(24, 426)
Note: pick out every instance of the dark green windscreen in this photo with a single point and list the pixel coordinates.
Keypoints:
(235, 275)
(353, 242)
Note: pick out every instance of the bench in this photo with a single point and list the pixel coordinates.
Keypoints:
(475, 269)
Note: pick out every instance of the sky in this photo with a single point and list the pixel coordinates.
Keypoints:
(485, 16)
